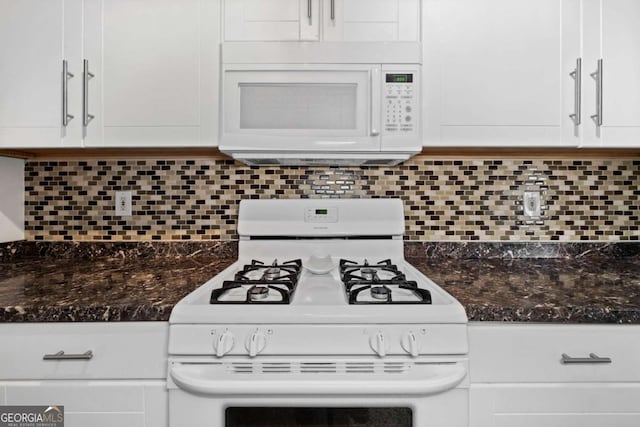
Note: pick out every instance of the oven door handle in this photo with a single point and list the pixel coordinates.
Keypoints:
(198, 379)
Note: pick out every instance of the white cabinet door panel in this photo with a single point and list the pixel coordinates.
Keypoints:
(154, 63)
(34, 40)
(273, 20)
(31, 41)
(92, 403)
(103, 420)
(620, 49)
(613, 34)
(156, 404)
(554, 405)
(372, 20)
(79, 396)
(499, 70)
(567, 420)
(151, 63)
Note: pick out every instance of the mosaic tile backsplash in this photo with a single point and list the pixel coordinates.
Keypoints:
(445, 200)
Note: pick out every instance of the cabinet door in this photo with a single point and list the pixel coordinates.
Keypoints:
(496, 72)
(612, 33)
(95, 403)
(35, 37)
(554, 405)
(155, 68)
(273, 20)
(371, 20)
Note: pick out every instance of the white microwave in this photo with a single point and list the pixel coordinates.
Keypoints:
(334, 114)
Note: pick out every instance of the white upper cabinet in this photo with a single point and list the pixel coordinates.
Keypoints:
(327, 20)
(497, 72)
(35, 37)
(612, 35)
(151, 72)
(371, 20)
(272, 20)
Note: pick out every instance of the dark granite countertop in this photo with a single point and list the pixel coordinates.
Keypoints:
(561, 283)
(94, 282)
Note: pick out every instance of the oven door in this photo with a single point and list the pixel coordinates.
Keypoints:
(244, 393)
(301, 108)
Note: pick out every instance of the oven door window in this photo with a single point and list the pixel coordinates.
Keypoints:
(318, 417)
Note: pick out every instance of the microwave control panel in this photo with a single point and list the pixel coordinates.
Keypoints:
(400, 94)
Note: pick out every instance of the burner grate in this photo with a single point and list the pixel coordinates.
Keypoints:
(257, 282)
(358, 279)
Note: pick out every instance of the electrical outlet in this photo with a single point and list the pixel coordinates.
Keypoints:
(123, 203)
(532, 204)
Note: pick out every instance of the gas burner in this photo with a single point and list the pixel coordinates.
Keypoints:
(353, 273)
(260, 283)
(385, 283)
(380, 292)
(258, 271)
(258, 292)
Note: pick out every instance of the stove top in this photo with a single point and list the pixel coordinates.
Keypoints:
(317, 262)
(364, 283)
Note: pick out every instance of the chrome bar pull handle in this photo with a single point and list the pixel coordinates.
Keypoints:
(66, 75)
(577, 97)
(592, 359)
(309, 7)
(61, 355)
(333, 10)
(86, 76)
(597, 76)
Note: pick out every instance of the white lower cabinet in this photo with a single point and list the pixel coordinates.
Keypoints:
(122, 383)
(520, 378)
(96, 403)
(555, 405)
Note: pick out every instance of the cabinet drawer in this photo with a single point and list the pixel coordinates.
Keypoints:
(118, 350)
(533, 353)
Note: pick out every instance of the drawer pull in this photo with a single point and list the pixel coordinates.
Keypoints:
(593, 358)
(88, 355)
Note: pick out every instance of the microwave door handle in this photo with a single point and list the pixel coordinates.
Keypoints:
(375, 101)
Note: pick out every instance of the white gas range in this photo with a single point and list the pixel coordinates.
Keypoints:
(320, 322)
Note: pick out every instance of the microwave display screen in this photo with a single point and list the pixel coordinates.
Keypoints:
(322, 211)
(399, 78)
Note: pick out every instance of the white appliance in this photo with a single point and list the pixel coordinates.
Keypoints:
(321, 103)
(320, 322)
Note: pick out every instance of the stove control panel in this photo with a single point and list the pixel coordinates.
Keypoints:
(317, 340)
(321, 215)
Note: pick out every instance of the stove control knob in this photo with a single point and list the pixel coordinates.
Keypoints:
(256, 343)
(378, 343)
(410, 343)
(224, 343)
